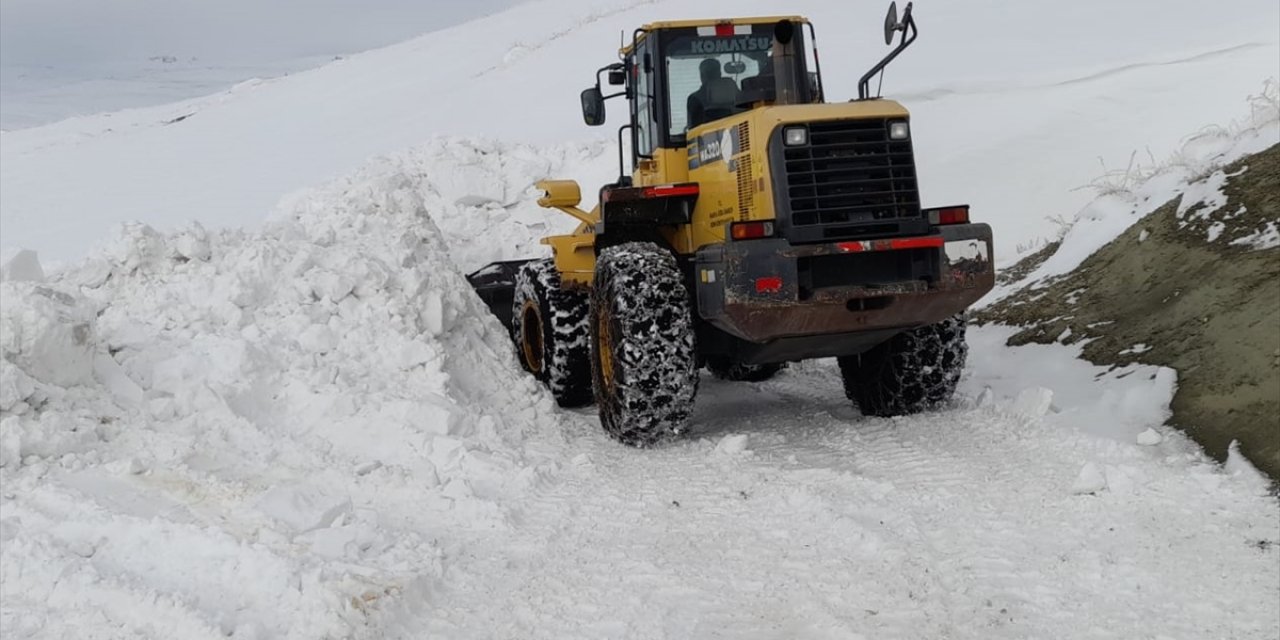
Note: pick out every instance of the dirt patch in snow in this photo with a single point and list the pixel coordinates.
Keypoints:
(1190, 288)
(1024, 267)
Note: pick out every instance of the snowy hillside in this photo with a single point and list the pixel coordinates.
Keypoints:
(1164, 268)
(1014, 104)
(308, 426)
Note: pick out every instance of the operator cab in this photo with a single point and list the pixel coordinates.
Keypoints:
(684, 74)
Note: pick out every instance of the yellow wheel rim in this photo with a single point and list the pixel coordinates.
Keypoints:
(606, 349)
(531, 335)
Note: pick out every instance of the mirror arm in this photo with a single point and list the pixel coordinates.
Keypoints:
(908, 23)
(613, 66)
(615, 95)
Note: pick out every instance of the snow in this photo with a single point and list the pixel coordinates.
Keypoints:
(1136, 349)
(1009, 116)
(1052, 383)
(1268, 237)
(309, 426)
(1090, 480)
(1150, 438)
(24, 266)
(1239, 466)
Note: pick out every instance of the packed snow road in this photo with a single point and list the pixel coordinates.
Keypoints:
(788, 515)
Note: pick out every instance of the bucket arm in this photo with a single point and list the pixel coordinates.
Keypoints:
(565, 196)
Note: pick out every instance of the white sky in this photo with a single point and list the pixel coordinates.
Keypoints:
(64, 58)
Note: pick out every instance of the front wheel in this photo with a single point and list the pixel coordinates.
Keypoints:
(644, 369)
(549, 326)
(913, 371)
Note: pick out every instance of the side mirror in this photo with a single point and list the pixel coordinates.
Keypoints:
(617, 77)
(890, 22)
(784, 31)
(592, 107)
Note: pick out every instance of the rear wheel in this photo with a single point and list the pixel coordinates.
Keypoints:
(910, 373)
(726, 369)
(644, 371)
(549, 326)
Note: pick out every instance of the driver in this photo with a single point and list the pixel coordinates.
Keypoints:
(716, 98)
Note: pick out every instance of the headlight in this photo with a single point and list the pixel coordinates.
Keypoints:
(898, 130)
(795, 136)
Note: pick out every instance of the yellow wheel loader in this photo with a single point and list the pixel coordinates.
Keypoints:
(760, 225)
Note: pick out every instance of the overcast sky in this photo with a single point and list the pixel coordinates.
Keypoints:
(82, 33)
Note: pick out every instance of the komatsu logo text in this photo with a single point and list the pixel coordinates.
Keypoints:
(730, 45)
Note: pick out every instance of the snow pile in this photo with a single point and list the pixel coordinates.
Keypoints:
(259, 434)
(1054, 385)
(1194, 173)
(481, 193)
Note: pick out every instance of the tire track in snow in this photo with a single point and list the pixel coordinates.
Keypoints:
(925, 483)
(758, 547)
(688, 542)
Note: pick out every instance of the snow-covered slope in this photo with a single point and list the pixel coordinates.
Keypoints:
(1014, 104)
(1193, 173)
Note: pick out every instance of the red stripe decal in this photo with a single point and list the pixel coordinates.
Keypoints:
(916, 243)
(889, 245)
(671, 190)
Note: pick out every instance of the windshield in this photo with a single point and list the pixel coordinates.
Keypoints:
(717, 71)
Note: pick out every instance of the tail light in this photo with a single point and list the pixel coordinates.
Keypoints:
(949, 215)
(750, 230)
(768, 284)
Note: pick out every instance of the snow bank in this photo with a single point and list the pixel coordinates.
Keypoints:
(275, 430)
(480, 192)
(1052, 383)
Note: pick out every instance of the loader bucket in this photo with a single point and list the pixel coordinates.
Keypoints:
(496, 284)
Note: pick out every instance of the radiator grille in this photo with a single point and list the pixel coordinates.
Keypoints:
(852, 175)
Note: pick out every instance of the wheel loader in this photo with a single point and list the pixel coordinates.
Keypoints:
(760, 224)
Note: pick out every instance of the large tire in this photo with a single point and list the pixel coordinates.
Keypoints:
(726, 369)
(912, 372)
(643, 365)
(549, 326)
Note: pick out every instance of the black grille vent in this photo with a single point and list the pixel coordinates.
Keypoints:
(850, 174)
(746, 187)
